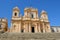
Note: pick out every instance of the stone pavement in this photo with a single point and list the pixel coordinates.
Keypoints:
(30, 36)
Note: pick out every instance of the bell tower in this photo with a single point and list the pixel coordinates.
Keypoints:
(44, 16)
(15, 22)
(45, 21)
(15, 12)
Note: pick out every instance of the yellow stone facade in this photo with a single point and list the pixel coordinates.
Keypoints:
(3, 25)
(30, 22)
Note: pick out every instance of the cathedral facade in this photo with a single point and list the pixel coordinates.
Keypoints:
(30, 22)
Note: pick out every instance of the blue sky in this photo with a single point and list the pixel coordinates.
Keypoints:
(52, 7)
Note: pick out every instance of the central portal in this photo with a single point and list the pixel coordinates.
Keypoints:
(32, 29)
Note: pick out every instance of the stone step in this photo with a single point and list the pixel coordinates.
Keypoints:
(30, 36)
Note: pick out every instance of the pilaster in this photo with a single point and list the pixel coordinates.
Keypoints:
(36, 30)
(29, 27)
(39, 28)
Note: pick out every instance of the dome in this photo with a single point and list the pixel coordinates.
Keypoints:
(16, 8)
(43, 11)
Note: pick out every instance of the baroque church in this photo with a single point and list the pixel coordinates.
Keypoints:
(30, 22)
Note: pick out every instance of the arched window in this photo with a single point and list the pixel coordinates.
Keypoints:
(15, 14)
(32, 16)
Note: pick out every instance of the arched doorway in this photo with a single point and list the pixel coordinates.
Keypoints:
(32, 29)
(22, 30)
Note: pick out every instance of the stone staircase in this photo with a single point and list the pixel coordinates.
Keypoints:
(30, 36)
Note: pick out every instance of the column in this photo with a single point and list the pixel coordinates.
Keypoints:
(24, 27)
(20, 27)
(43, 28)
(29, 27)
(39, 27)
(36, 28)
